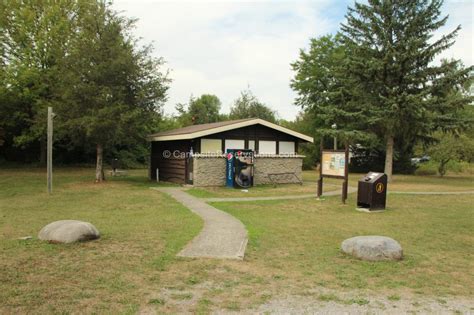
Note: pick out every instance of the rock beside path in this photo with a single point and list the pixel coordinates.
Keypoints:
(373, 248)
(68, 231)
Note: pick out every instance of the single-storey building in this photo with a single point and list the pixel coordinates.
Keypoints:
(196, 154)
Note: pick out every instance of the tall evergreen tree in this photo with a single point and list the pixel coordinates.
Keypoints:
(320, 81)
(394, 79)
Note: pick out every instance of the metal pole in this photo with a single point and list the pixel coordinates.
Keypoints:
(50, 150)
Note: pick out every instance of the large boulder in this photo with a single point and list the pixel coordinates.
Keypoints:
(68, 231)
(373, 248)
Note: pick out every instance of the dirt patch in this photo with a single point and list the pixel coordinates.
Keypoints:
(323, 301)
(201, 298)
(91, 185)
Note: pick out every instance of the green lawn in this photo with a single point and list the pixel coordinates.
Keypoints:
(293, 247)
(450, 182)
(261, 190)
(300, 241)
(141, 232)
(402, 183)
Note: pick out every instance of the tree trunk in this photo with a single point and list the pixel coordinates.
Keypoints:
(389, 158)
(442, 167)
(99, 169)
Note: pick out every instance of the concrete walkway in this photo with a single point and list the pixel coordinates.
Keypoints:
(330, 193)
(469, 192)
(287, 197)
(223, 236)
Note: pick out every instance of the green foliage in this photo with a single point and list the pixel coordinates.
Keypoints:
(453, 166)
(248, 106)
(113, 89)
(35, 38)
(202, 110)
(319, 82)
(110, 90)
(304, 123)
(376, 79)
(451, 147)
(167, 122)
(428, 168)
(390, 65)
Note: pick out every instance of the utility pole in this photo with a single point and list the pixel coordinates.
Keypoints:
(50, 150)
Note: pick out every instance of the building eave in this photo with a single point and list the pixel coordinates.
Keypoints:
(207, 132)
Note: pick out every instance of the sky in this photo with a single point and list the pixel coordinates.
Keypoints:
(224, 47)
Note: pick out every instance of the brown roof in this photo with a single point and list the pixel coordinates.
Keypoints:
(197, 131)
(196, 128)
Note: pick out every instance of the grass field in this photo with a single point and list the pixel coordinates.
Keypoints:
(450, 182)
(463, 182)
(261, 190)
(141, 233)
(293, 247)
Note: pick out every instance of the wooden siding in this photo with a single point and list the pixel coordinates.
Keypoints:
(173, 168)
(176, 169)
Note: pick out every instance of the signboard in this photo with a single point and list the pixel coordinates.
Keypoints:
(333, 163)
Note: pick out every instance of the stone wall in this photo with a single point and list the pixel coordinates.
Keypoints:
(276, 165)
(210, 170)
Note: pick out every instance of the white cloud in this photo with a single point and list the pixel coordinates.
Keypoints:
(223, 47)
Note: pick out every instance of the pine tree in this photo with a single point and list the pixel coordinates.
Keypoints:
(320, 81)
(394, 78)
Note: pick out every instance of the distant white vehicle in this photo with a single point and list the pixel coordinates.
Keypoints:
(418, 160)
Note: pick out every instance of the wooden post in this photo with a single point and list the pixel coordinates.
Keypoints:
(50, 150)
(346, 174)
(320, 180)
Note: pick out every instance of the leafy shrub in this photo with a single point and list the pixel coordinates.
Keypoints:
(431, 167)
(428, 168)
(456, 166)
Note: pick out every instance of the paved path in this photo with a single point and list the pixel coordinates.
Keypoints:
(330, 193)
(223, 236)
(288, 197)
(469, 192)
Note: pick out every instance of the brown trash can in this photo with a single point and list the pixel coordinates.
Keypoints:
(372, 191)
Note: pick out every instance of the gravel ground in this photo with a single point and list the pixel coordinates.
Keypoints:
(349, 303)
(319, 301)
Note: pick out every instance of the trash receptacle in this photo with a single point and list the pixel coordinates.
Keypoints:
(372, 191)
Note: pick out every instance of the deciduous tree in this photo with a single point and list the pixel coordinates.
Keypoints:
(35, 37)
(113, 89)
(248, 106)
(451, 147)
(202, 110)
